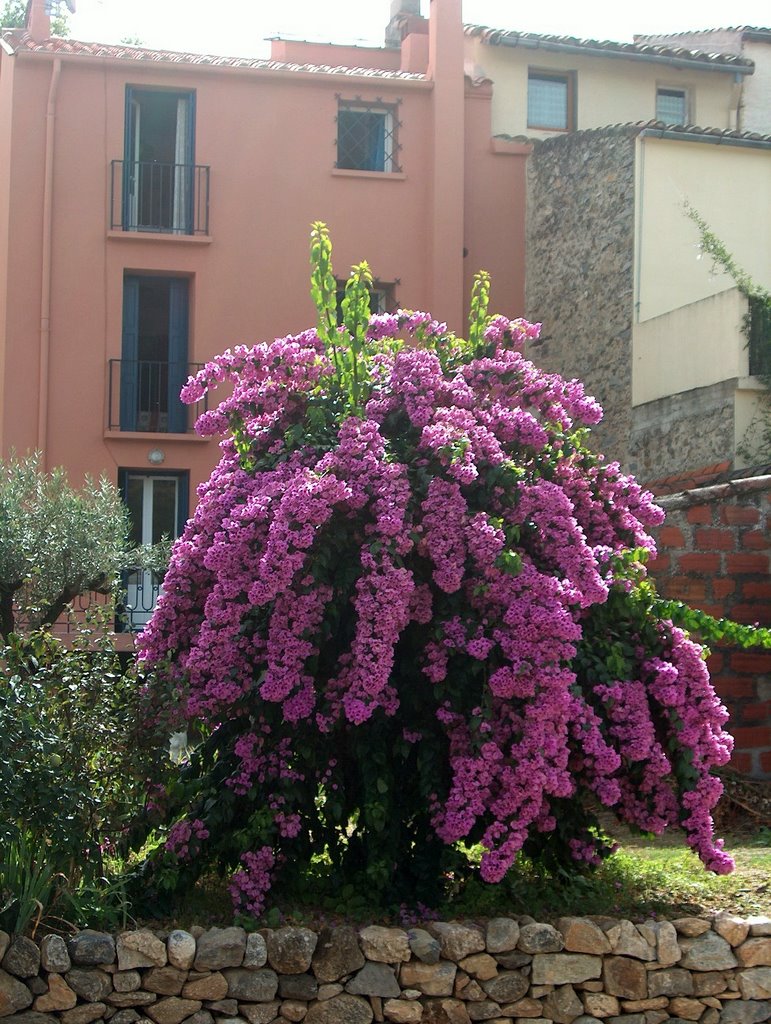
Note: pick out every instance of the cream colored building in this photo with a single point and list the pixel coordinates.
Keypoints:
(752, 43)
(630, 303)
(545, 85)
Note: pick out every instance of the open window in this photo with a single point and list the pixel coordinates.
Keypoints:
(154, 354)
(159, 174)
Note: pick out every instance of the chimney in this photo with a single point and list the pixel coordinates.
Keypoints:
(403, 12)
(38, 21)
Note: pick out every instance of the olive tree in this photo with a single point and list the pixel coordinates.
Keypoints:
(55, 542)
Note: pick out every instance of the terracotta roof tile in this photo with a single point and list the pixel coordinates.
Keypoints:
(689, 480)
(706, 476)
(608, 48)
(743, 29)
(633, 128)
(20, 41)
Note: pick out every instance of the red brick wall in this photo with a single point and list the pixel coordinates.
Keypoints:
(715, 554)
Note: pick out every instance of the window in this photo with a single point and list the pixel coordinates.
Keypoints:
(551, 100)
(671, 106)
(153, 364)
(759, 330)
(159, 174)
(158, 506)
(381, 298)
(366, 136)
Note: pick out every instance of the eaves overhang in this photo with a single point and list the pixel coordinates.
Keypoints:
(672, 56)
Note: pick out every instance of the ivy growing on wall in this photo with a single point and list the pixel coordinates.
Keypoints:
(756, 326)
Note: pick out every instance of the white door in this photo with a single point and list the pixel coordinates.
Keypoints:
(153, 501)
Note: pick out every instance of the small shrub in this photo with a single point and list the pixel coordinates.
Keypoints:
(72, 775)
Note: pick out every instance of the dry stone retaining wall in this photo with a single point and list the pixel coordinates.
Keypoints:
(583, 971)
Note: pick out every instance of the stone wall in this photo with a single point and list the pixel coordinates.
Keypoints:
(679, 432)
(587, 970)
(714, 552)
(580, 269)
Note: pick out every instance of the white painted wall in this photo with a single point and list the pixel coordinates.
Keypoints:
(730, 187)
(690, 347)
(756, 94)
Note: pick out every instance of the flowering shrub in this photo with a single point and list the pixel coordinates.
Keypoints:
(411, 609)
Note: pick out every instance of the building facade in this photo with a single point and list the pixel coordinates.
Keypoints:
(630, 303)
(155, 209)
(546, 85)
(754, 44)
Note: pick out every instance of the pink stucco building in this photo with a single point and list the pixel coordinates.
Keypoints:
(155, 209)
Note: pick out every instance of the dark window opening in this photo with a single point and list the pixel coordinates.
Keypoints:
(153, 365)
(161, 185)
(367, 137)
(381, 298)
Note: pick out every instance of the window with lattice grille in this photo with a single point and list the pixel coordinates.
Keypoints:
(367, 136)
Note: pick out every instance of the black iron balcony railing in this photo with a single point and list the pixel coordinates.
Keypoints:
(133, 606)
(144, 395)
(759, 334)
(142, 589)
(167, 198)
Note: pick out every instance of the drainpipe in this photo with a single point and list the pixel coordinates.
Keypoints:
(45, 288)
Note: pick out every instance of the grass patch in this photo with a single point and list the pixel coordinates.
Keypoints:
(646, 879)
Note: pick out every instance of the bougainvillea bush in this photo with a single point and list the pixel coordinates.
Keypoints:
(411, 613)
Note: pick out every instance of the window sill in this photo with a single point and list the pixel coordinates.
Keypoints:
(542, 128)
(156, 438)
(344, 172)
(160, 236)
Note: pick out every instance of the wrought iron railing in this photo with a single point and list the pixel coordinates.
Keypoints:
(759, 335)
(142, 587)
(133, 607)
(143, 395)
(167, 198)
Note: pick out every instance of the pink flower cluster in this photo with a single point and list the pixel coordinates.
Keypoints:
(249, 887)
(458, 510)
(185, 834)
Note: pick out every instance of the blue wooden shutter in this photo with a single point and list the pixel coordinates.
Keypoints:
(129, 354)
(129, 160)
(178, 370)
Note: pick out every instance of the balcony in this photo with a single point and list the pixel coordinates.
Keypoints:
(143, 395)
(159, 197)
(134, 609)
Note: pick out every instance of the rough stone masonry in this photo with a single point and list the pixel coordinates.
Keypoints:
(595, 970)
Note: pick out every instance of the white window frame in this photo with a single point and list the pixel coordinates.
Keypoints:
(390, 140)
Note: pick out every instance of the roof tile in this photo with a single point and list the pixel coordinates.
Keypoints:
(21, 41)
(606, 47)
